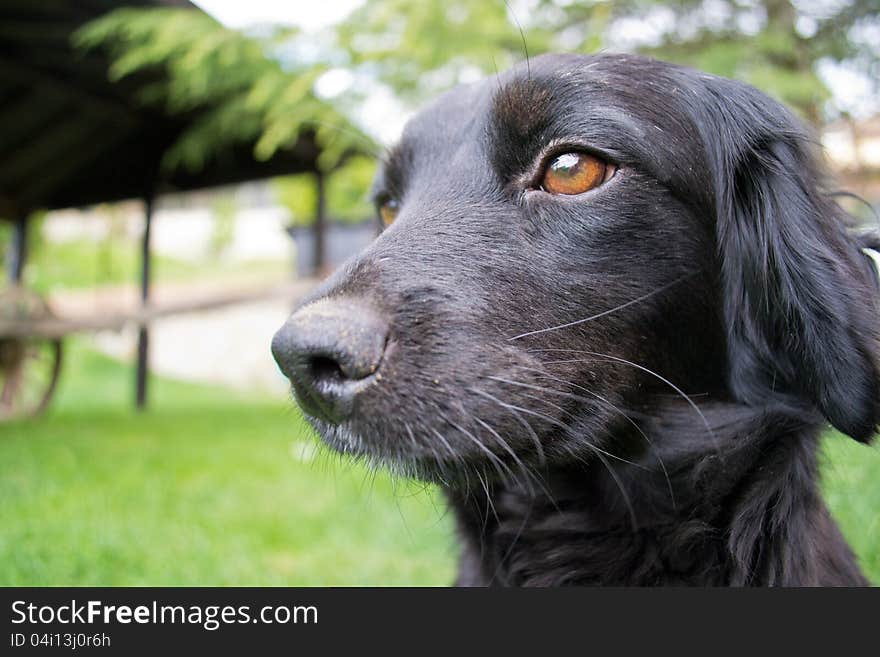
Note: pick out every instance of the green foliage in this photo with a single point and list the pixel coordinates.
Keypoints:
(208, 487)
(299, 196)
(235, 84)
(422, 48)
(224, 210)
(346, 190)
(79, 264)
(418, 47)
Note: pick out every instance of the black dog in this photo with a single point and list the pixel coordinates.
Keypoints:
(610, 315)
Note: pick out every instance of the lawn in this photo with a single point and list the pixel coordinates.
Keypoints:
(207, 488)
(214, 488)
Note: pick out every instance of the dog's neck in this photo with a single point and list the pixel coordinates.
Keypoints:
(727, 498)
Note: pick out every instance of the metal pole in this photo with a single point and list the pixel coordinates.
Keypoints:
(143, 332)
(18, 250)
(320, 221)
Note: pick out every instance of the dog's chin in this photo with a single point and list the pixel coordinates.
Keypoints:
(400, 462)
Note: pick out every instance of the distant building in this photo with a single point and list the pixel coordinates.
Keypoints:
(853, 151)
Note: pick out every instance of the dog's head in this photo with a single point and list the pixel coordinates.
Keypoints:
(569, 243)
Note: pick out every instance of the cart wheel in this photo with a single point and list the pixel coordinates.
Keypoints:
(29, 371)
(29, 366)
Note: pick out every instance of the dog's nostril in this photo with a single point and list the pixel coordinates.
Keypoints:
(324, 368)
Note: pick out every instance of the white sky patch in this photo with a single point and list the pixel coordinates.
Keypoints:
(383, 115)
(628, 33)
(307, 14)
(851, 90)
(333, 83)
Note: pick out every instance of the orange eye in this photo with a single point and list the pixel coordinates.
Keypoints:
(388, 211)
(575, 173)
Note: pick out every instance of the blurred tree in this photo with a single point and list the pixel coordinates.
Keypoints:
(346, 193)
(224, 209)
(252, 92)
(242, 88)
(297, 195)
(420, 48)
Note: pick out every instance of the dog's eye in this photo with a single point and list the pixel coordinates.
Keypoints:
(575, 173)
(388, 211)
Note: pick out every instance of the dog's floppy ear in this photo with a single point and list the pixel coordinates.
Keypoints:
(800, 304)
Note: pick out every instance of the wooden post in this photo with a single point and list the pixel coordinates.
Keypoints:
(320, 221)
(17, 250)
(143, 332)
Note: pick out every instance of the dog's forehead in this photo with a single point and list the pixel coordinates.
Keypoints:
(515, 97)
(525, 99)
(455, 116)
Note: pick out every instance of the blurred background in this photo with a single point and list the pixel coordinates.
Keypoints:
(174, 175)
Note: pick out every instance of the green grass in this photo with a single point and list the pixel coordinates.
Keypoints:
(214, 488)
(208, 488)
(851, 483)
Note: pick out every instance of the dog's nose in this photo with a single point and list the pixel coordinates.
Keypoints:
(330, 351)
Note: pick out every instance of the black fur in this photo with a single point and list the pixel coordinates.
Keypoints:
(625, 386)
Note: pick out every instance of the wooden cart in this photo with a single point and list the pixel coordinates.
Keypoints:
(29, 362)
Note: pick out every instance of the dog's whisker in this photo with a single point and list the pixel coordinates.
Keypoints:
(553, 421)
(632, 302)
(539, 448)
(528, 473)
(501, 466)
(452, 453)
(412, 438)
(522, 36)
(626, 498)
(651, 372)
(629, 413)
(592, 445)
(490, 504)
(615, 408)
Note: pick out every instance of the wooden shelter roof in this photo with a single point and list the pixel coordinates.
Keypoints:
(70, 137)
